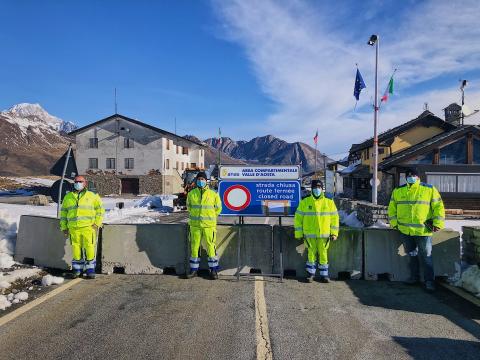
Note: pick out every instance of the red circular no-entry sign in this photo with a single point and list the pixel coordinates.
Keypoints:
(237, 197)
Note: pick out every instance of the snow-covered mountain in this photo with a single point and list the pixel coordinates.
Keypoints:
(25, 115)
(31, 140)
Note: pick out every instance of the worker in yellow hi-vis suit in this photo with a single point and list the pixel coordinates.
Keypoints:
(316, 222)
(204, 206)
(416, 210)
(81, 216)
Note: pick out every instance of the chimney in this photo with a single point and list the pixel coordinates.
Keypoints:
(453, 114)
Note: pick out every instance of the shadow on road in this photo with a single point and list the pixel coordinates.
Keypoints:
(397, 296)
(421, 348)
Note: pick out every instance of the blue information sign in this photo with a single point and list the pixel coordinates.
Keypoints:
(259, 198)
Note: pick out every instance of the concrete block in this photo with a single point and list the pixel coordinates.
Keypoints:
(256, 249)
(144, 248)
(39, 238)
(384, 254)
(344, 254)
(445, 252)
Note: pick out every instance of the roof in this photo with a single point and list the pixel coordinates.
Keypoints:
(453, 106)
(426, 118)
(114, 116)
(427, 145)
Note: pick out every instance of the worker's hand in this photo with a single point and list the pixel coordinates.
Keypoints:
(435, 229)
(95, 227)
(333, 237)
(65, 233)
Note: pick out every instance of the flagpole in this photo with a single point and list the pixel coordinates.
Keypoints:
(375, 132)
(67, 158)
(219, 146)
(316, 142)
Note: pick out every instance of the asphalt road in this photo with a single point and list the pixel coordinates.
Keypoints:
(165, 317)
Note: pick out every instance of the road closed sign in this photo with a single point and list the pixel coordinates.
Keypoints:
(260, 173)
(259, 198)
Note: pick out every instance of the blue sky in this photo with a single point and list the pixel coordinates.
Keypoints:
(252, 67)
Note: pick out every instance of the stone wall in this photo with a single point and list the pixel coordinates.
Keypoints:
(151, 183)
(471, 244)
(106, 183)
(368, 213)
(385, 189)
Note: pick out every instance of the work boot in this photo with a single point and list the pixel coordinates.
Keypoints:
(91, 275)
(192, 274)
(213, 274)
(76, 274)
(324, 279)
(430, 286)
(309, 278)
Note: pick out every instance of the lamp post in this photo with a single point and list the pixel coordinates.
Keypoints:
(374, 41)
(462, 89)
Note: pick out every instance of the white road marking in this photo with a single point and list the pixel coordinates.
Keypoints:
(264, 349)
(14, 314)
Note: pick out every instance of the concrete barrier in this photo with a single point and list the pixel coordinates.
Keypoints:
(255, 252)
(40, 241)
(384, 254)
(144, 248)
(344, 254)
(471, 244)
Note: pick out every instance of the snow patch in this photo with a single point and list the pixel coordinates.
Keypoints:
(14, 275)
(49, 280)
(4, 303)
(22, 296)
(350, 219)
(6, 261)
(470, 280)
(4, 284)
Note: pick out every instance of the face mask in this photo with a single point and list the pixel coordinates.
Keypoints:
(201, 183)
(78, 186)
(411, 179)
(317, 192)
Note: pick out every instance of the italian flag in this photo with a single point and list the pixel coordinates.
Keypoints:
(388, 90)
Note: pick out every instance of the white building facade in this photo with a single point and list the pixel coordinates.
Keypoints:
(120, 155)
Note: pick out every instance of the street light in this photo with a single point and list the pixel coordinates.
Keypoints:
(462, 89)
(374, 41)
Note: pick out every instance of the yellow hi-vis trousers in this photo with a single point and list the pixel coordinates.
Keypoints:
(317, 247)
(209, 235)
(84, 245)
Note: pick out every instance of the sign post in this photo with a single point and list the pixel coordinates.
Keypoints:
(259, 191)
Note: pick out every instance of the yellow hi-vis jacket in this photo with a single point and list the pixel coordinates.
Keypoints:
(412, 205)
(203, 207)
(316, 218)
(81, 209)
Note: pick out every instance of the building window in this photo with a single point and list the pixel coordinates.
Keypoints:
(185, 151)
(176, 166)
(476, 151)
(454, 153)
(193, 165)
(167, 164)
(129, 163)
(111, 163)
(381, 151)
(93, 163)
(128, 143)
(422, 159)
(183, 165)
(460, 183)
(93, 143)
(176, 149)
(168, 144)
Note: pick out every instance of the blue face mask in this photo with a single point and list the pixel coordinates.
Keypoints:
(411, 179)
(201, 183)
(78, 186)
(316, 192)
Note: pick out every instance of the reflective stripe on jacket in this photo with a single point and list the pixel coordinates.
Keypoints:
(203, 207)
(316, 218)
(81, 209)
(412, 205)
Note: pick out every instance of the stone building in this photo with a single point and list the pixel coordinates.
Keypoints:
(120, 155)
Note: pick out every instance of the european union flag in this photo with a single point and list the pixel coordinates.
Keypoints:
(359, 85)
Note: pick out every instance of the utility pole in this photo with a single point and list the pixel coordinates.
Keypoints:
(116, 107)
(462, 89)
(374, 41)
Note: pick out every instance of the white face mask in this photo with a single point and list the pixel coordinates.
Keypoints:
(78, 186)
(317, 192)
(411, 179)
